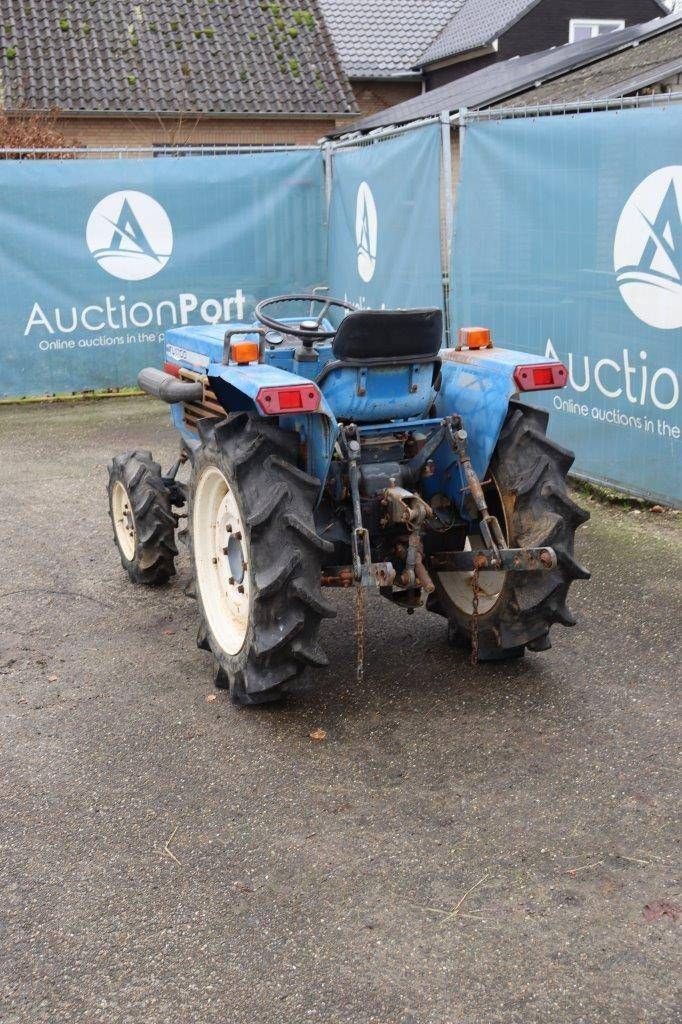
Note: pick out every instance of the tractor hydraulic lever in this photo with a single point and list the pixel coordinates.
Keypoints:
(490, 528)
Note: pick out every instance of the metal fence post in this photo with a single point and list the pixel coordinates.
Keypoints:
(447, 181)
(328, 153)
(446, 214)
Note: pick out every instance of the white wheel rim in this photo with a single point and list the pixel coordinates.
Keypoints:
(124, 524)
(459, 586)
(220, 558)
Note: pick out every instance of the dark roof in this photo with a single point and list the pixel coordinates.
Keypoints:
(619, 74)
(170, 56)
(384, 38)
(509, 78)
(476, 23)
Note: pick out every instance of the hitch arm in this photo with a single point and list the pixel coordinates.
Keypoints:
(490, 528)
(362, 556)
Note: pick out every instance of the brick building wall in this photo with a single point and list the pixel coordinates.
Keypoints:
(371, 96)
(143, 131)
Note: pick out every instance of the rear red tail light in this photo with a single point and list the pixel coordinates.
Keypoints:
(172, 368)
(300, 398)
(540, 376)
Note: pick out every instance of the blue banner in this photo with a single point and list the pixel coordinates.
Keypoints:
(98, 258)
(384, 230)
(569, 243)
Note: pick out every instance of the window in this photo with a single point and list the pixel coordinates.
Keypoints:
(588, 28)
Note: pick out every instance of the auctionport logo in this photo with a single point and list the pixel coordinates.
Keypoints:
(366, 230)
(647, 251)
(130, 235)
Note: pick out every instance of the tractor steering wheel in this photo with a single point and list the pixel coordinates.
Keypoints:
(308, 329)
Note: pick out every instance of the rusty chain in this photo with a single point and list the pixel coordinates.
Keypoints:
(474, 617)
(360, 632)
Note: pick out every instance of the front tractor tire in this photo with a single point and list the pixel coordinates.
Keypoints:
(256, 557)
(527, 491)
(142, 517)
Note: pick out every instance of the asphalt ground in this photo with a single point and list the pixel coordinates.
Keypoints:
(466, 846)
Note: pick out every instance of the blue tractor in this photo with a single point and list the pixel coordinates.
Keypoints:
(337, 447)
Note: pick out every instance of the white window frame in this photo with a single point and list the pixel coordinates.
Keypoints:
(613, 23)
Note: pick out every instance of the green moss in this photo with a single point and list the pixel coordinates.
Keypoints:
(209, 33)
(275, 10)
(280, 23)
(64, 24)
(304, 18)
(293, 32)
(174, 25)
(253, 37)
(132, 81)
(86, 28)
(294, 67)
(608, 495)
(243, 75)
(11, 52)
(134, 41)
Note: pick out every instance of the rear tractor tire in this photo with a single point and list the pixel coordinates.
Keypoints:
(256, 557)
(528, 494)
(142, 518)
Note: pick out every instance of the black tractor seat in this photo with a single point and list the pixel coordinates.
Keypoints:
(380, 334)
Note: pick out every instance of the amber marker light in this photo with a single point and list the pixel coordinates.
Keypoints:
(245, 352)
(475, 337)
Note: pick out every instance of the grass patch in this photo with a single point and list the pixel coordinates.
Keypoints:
(607, 495)
(73, 396)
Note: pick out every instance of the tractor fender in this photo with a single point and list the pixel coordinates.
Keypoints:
(237, 389)
(477, 385)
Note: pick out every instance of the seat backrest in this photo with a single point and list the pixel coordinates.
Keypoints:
(389, 334)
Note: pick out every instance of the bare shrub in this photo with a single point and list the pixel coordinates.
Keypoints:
(28, 132)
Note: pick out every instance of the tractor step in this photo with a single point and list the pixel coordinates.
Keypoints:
(486, 560)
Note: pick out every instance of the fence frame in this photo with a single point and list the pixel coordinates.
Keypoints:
(120, 152)
(467, 116)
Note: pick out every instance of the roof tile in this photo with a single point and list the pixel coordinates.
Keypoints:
(207, 57)
(384, 38)
(476, 23)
